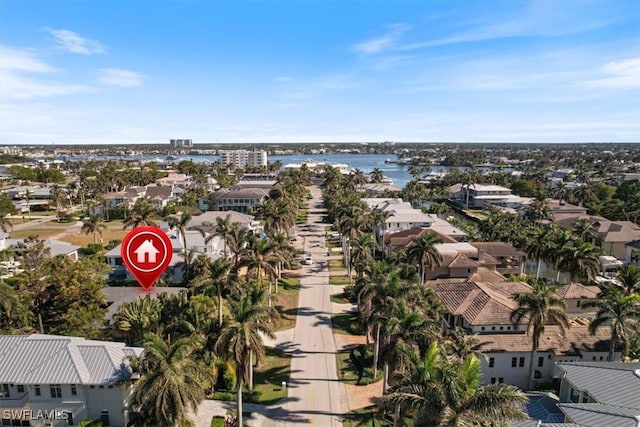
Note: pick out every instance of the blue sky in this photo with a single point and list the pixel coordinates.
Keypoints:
(319, 70)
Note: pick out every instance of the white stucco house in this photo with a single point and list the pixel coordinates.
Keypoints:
(50, 380)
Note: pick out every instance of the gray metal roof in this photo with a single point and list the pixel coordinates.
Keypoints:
(53, 359)
(610, 383)
(599, 415)
(116, 296)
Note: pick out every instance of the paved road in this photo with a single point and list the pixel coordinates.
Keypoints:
(315, 396)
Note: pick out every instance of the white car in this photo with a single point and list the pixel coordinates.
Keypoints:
(307, 260)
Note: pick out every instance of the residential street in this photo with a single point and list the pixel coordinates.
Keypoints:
(315, 395)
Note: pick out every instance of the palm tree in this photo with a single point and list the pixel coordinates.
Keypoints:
(539, 308)
(94, 224)
(376, 175)
(582, 260)
(538, 245)
(538, 211)
(448, 392)
(584, 229)
(358, 178)
(142, 214)
(180, 222)
(424, 253)
(469, 179)
(27, 197)
(262, 257)
(216, 276)
(137, 318)
(172, 381)
(361, 252)
(583, 194)
(629, 278)
(240, 340)
(58, 196)
(618, 310)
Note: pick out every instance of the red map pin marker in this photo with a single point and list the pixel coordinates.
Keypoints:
(146, 252)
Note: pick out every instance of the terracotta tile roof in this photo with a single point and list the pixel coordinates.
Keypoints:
(578, 290)
(483, 274)
(479, 303)
(462, 261)
(498, 249)
(576, 340)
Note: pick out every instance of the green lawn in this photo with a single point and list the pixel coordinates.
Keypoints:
(363, 418)
(267, 380)
(286, 301)
(217, 421)
(336, 264)
(338, 280)
(346, 324)
(348, 373)
(477, 213)
(340, 298)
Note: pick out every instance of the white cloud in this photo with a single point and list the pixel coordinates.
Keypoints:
(283, 79)
(16, 69)
(623, 74)
(72, 42)
(384, 42)
(119, 77)
(22, 60)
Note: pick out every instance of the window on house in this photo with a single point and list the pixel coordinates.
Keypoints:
(540, 362)
(56, 391)
(36, 389)
(502, 328)
(493, 328)
(578, 304)
(74, 391)
(521, 364)
(514, 362)
(20, 388)
(492, 362)
(4, 390)
(501, 380)
(493, 380)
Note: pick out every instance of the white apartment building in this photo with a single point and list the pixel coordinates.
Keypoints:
(51, 380)
(243, 158)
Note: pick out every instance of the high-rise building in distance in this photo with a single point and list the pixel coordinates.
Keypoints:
(181, 143)
(243, 158)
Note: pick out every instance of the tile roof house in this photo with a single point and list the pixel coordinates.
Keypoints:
(612, 236)
(600, 394)
(72, 377)
(576, 295)
(483, 310)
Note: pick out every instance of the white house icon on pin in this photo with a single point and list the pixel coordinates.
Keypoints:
(146, 250)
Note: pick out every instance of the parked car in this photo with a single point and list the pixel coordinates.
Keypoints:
(307, 260)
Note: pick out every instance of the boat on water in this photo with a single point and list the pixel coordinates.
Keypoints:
(170, 157)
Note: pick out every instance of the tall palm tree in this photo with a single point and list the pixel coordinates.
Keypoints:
(469, 179)
(94, 224)
(361, 252)
(59, 197)
(27, 197)
(137, 318)
(376, 175)
(180, 223)
(262, 257)
(629, 278)
(539, 243)
(584, 229)
(582, 260)
(142, 214)
(172, 381)
(445, 391)
(240, 340)
(583, 194)
(215, 276)
(539, 308)
(619, 311)
(424, 253)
